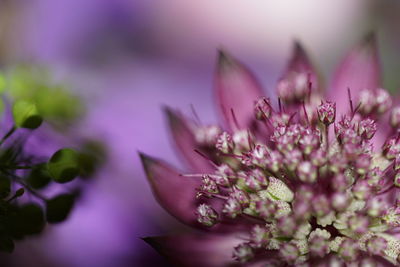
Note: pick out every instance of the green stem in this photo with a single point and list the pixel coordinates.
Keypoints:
(20, 181)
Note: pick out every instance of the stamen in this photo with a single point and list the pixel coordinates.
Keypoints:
(350, 101)
(305, 113)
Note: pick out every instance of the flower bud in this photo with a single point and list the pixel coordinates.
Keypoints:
(206, 215)
(319, 242)
(243, 252)
(391, 148)
(366, 128)
(327, 112)
(383, 101)
(307, 172)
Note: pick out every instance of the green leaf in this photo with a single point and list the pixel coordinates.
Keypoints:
(26, 220)
(59, 207)
(26, 115)
(63, 166)
(91, 156)
(39, 176)
(32, 219)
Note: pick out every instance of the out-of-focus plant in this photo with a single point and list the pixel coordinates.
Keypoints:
(25, 177)
(53, 101)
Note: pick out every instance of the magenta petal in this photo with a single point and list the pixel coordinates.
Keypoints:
(359, 70)
(236, 89)
(300, 63)
(211, 250)
(196, 250)
(175, 193)
(184, 138)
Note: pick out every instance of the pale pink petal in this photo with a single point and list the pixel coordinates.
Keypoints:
(185, 141)
(359, 70)
(236, 90)
(175, 193)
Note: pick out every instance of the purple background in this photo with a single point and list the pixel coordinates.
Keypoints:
(127, 59)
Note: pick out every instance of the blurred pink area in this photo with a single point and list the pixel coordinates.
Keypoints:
(127, 59)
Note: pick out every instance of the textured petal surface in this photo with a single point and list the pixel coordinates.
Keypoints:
(175, 193)
(196, 250)
(359, 70)
(184, 139)
(236, 89)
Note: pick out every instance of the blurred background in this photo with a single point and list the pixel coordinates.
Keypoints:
(127, 58)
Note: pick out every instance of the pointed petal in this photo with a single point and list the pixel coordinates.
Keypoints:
(300, 63)
(175, 193)
(359, 70)
(184, 138)
(236, 89)
(197, 249)
(211, 250)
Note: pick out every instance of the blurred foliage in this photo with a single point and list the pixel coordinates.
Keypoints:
(19, 219)
(53, 100)
(34, 99)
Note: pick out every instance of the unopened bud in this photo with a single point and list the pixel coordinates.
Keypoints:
(327, 112)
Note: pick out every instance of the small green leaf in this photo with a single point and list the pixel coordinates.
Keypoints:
(63, 166)
(59, 207)
(26, 220)
(39, 176)
(26, 115)
(91, 157)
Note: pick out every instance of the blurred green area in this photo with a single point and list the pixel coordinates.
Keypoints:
(54, 102)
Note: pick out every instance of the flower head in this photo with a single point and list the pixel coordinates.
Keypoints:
(299, 181)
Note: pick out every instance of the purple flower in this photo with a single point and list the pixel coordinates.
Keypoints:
(306, 181)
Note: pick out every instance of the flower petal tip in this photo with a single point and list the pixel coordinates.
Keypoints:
(151, 241)
(369, 40)
(225, 61)
(298, 50)
(236, 90)
(360, 69)
(172, 116)
(299, 60)
(146, 161)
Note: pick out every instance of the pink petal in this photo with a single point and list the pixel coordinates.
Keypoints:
(184, 138)
(194, 250)
(301, 63)
(359, 70)
(236, 89)
(211, 250)
(175, 193)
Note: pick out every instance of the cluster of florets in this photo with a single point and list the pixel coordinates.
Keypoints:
(310, 181)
